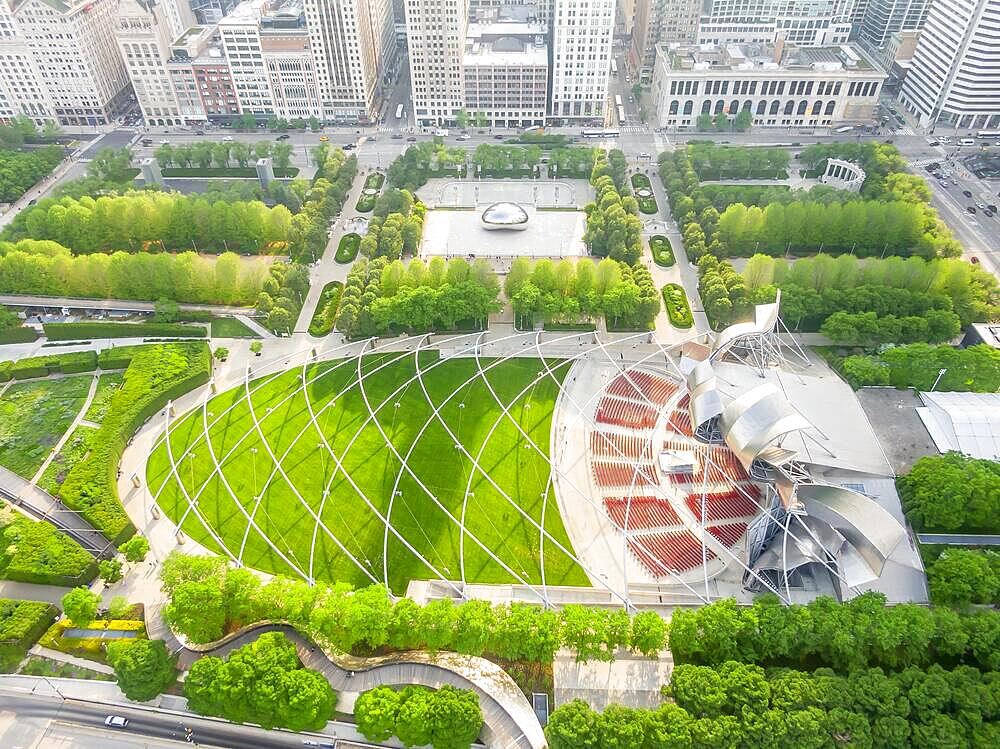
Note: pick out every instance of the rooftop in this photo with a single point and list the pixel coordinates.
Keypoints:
(782, 56)
(506, 43)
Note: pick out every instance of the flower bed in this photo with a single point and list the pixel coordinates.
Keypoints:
(347, 249)
(678, 308)
(644, 194)
(662, 250)
(325, 314)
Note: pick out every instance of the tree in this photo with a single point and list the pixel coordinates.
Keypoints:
(221, 353)
(256, 347)
(454, 718)
(462, 118)
(196, 610)
(375, 713)
(112, 165)
(80, 606)
(962, 576)
(110, 570)
(144, 668)
(413, 717)
(574, 725)
(135, 549)
(649, 633)
(166, 310)
(164, 155)
(743, 120)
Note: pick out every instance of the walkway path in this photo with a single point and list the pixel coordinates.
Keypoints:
(42, 505)
(507, 715)
(32, 591)
(21, 300)
(72, 427)
(958, 539)
(327, 269)
(255, 326)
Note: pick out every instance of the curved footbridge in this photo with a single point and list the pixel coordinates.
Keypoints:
(509, 721)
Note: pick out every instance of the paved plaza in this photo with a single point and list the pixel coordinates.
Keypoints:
(459, 233)
(542, 193)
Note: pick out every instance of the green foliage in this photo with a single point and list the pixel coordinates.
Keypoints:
(262, 683)
(36, 552)
(723, 292)
(110, 570)
(155, 375)
(572, 162)
(283, 295)
(324, 199)
(646, 204)
(230, 327)
(19, 170)
(381, 296)
(867, 328)
(113, 165)
(78, 331)
(35, 415)
(506, 160)
(80, 606)
(446, 718)
(47, 268)
(737, 705)
(975, 369)
(153, 220)
(72, 451)
(568, 292)
(662, 251)
(21, 624)
(712, 162)
(879, 160)
(395, 227)
(613, 226)
(862, 632)
(144, 668)
(675, 301)
(325, 315)
(420, 162)
(860, 371)
(959, 577)
(347, 247)
(952, 493)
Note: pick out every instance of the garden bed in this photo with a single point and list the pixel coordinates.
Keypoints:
(21, 624)
(23, 334)
(662, 250)
(92, 648)
(325, 315)
(644, 194)
(678, 308)
(347, 248)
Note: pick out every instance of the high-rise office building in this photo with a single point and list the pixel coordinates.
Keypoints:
(210, 12)
(660, 22)
(883, 18)
(954, 77)
(435, 30)
(814, 23)
(354, 45)
(582, 32)
(69, 56)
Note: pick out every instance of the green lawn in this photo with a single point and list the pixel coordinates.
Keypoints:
(372, 467)
(230, 327)
(33, 416)
(107, 386)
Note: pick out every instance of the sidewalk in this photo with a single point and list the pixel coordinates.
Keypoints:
(55, 655)
(32, 592)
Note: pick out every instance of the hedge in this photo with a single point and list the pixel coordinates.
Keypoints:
(21, 624)
(374, 181)
(348, 247)
(155, 375)
(230, 171)
(42, 366)
(78, 331)
(23, 334)
(34, 551)
(365, 203)
(662, 250)
(325, 315)
(678, 308)
(118, 357)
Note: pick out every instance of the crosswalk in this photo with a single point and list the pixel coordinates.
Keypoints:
(633, 128)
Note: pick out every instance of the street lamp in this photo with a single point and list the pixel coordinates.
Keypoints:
(940, 374)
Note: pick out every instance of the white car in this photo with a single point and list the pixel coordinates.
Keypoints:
(227, 139)
(462, 137)
(115, 721)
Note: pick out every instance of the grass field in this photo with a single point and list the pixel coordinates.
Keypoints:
(107, 386)
(77, 446)
(230, 327)
(373, 468)
(33, 416)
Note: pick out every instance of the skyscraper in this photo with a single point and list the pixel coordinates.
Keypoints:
(582, 33)
(435, 32)
(812, 23)
(883, 18)
(955, 74)
(660, 22)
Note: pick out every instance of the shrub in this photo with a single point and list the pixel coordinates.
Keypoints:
(662, 250)
(135, 549)
(80, 605)
(144, 667)
(110, 570)
(42, 366)
(447, 718)
(678, 308)
(959, 577)
(861, 371)
(77, 331)
(326, 310)
(118, 357)
(23, 334)
(21, 624)
(36, 552)
(347, 248)
(952, 493)
(155, 375)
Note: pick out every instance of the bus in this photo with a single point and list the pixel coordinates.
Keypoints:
(988, 134)
(618, 100)
(845, 129)
(399, 111)
(621, 115)
(614, 67)
(611, 133)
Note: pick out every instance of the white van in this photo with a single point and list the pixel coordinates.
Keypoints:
(966, 142)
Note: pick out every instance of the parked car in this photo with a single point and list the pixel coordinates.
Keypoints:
(397, 135)
(349, 146)
(412, 139)
(116, 721)
(966, 193)
(980, 206)
(497, 137)
(227, 139)
(970, 209)
(283, 136)
(974, 260)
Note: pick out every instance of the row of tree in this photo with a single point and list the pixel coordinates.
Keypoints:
(155, 221)
(19, 170)
(501, 160)
(721, 122)
(572, 161)
(335, 173)
(396, 226)
(22, 129)
(613, 226)
(861, 633)
(207, 598)
(952, 493)
(223, 154)
(49, 269)
(418, 163)
(975, 369)
(263, 683)
(879, 160)
(712, 162)
(445, 718)
(973, 293)
(282, 295)
(381, 296)
(738, 705)
(568, 292)
(867, 328)
(723, 291)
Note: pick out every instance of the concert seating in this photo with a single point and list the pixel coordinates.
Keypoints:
(662, 552)
(645, 512)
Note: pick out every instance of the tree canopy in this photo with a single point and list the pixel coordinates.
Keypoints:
(144, 668)
(952, 493)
